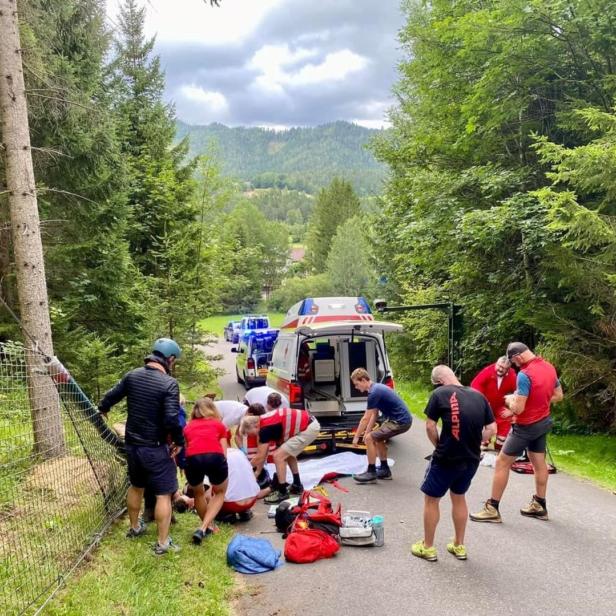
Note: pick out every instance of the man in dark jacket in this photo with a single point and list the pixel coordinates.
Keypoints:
(153, 406)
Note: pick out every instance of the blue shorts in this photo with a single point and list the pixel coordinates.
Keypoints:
(438, 478)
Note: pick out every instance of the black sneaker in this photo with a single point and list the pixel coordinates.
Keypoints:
(296, 488)
(367, 477)
(199, 535)
(245, 516)
(383, 472)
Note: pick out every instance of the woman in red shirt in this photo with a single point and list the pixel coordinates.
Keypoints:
(206, 449)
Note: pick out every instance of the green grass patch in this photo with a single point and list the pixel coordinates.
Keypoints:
(587, 456)
(125, 577)
(216, 323)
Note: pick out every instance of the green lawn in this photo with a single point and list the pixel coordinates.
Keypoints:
(590, 457)
(215, 324)
(125, 577)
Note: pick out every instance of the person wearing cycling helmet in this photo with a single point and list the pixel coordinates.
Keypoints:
(153, 408)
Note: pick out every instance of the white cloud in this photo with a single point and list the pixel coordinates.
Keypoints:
(197, 105)
(275, 63)
(196, 21)
(382, 123)
(336, 67)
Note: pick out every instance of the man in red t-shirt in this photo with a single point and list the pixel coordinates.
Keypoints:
(537, 388)
(495, 382)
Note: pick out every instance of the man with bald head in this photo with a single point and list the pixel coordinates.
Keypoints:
(466, 419)
(537, 387)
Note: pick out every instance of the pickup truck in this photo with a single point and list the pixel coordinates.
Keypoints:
(232, 331)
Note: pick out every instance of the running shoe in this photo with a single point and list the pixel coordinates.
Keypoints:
(170, 546)
(276, 496)
(459, 551)
(367, 477)
(420, 550)
(383, 473)
(137, 532)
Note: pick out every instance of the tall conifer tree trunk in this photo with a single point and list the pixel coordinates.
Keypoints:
(25, 224)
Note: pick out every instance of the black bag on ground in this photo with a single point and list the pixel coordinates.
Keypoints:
(284, 517)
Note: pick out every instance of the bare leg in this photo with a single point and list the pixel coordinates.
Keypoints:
(280, 460)
(541, 472)
(431, 517)
(292, 462)
(215, 504)
(162, 515)
(381, 449)
(200, 500)
(370, 448)
(459, 514)
(133, 503)
(501, 475)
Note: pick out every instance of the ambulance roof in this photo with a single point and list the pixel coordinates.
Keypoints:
(326, 310)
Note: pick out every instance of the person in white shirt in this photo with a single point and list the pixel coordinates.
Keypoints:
(260, 395)
(231, 411)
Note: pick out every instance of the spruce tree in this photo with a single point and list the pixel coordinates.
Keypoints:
(333, 206)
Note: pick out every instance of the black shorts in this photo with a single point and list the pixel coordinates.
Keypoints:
(214, 465)
(152, 468)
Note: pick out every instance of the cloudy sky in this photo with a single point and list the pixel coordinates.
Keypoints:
(277, 63)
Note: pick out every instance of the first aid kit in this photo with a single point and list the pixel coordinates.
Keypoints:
(357, 529)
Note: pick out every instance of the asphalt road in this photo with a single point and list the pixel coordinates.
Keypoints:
(566, 566)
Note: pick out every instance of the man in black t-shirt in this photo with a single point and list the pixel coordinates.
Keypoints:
(466, 420)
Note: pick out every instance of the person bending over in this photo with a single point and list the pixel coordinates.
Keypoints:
(396, 420)
(206, 447)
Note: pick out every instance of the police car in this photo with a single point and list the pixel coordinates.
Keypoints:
(254, 353)
(321, 342)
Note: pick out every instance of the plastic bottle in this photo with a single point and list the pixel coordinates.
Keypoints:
(378, 526)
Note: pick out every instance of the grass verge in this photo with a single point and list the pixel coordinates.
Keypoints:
(590, 457)
(125, 577)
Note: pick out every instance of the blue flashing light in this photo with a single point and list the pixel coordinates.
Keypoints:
(362, 306)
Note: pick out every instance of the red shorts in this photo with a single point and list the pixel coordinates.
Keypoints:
(234, 507)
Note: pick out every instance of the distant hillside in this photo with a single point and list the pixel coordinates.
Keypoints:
(300, 158)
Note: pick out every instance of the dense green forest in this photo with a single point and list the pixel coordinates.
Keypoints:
(502, 194)
(304, 159)
(498, 195)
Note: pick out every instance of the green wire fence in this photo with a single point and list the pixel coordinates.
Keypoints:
(60, 488)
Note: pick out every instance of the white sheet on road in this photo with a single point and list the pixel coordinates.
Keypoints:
(312, 470)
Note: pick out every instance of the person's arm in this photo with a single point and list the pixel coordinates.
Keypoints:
(258, 460)
(224, 439)
(172, 416)
(238, 440)
(558, 394)
(479, 382)
(112, 397)
(365, 424)
(432, 431)
(516, 402)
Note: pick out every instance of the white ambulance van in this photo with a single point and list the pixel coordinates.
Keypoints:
(321, 341)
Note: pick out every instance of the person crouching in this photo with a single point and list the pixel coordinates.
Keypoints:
(291, 430)
(206, 449)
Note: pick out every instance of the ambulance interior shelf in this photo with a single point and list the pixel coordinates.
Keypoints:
(330, 390)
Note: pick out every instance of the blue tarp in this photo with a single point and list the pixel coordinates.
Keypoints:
(251, 555)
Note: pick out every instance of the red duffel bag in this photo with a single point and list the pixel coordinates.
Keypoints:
(305, 545)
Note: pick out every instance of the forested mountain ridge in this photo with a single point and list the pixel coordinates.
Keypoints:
(303, 158)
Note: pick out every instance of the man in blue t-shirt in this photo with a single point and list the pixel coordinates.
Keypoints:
(396, 420)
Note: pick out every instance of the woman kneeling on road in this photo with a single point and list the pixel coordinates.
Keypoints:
(206, 449)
